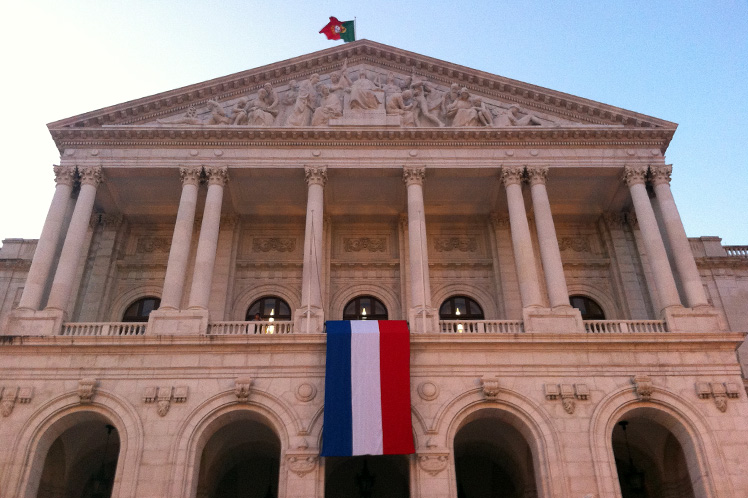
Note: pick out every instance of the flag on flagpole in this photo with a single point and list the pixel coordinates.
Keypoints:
(340, 30)
(367, 389)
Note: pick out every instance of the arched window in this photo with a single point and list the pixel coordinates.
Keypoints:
(365, 308)
(460, 308)
(269, 308)
(140, 309)
(590, 309)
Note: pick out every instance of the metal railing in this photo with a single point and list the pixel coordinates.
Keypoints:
(250, 328)
(103, 328)
(741, 251)
(624, 326)
(481, 326)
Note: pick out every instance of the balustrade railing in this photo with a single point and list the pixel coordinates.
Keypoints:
(741, 251)
(103, 328)
(481, 326)
(250, 328)
(624, 326)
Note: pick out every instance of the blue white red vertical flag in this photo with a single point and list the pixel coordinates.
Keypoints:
(367, 389)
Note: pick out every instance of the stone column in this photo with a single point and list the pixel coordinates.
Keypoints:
(421, 314)
(635, 177)
(676, 234)
(176, 268)
(70, 258)
(310, 317)
(524, 256)
(202, 275)
(38, 276)
(550, 254)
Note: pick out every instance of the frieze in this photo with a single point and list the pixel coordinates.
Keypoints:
(147, 245)
(576, 244)
(279, 244)
(449, 244)
(365, 244)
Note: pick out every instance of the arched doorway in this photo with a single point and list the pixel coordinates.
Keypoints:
(81, 462)
(382, 476)
(649, 459)
(493, 459)
(241, 459)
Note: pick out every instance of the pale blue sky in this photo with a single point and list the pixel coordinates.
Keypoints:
(683, 61)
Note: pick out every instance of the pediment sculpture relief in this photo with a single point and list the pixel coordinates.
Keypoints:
(360, 97)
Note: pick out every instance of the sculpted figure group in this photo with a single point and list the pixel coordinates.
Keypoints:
(311, 103)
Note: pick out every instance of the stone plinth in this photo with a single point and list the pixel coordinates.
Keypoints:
(28, 322)
(178, 322)
(557, 320)
(701, 319)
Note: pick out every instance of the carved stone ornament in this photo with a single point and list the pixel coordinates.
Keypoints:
(660, 174)
(511, 175)
(242, 389)
(449, 244)
(635, 175)
(433, 463)
(190, 176)
(365, 243)
(576, 244)
(86, 390)
(614, 220)
(217, 175)
(8, 400)
(537, 175)
(643, 387)
(568, 394)
(306, 392)
(719, 391)
(315, 175)
(90, 175)
(490, 387)
(500, 222)
(414, 176)
(428, 391)
(163, 396)
(567, 398)
(164, 400)
(147, 245)
(301, 464)
(64, 175)
(279, 244)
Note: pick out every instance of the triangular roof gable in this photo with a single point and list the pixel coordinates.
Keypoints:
(569, 109)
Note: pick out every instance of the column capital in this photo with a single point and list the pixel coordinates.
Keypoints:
(635, 175)
(414, 175)
(64, 175)
(217, 175)
(661, 174)
(190, 176)
(315, 175)
(499, 221)
(537, 174)
(613, 219)
(90, 175)
(511, 175)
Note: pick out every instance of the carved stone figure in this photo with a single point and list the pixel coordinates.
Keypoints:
(339, 80)
(293, 91)
(330, 107)
(306, 102)
(263, 109)
(396, 105)
(362, 93)
(391, 85)
(239, 115)
(484, 115)
(422, 108)
(217, 114)
(512, 117)
(449, 97)
(462, 111)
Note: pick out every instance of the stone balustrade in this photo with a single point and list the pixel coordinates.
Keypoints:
(740, 251)
(624, 326)
(481, 326)
(250, 328)
(103, 328)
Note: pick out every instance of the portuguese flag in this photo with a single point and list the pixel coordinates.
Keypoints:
(337, 30)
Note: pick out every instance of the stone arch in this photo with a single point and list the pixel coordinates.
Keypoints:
(609, 306)
(214, 413)
(526, 417)
(383, 293)
(125, 299)
(690, 428)
(46, 424)
(481, 296)
(288, 293)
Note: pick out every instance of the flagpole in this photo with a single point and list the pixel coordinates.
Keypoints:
(355, 29)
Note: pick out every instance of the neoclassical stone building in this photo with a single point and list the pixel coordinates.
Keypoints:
(165, 335)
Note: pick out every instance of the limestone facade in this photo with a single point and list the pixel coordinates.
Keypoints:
(365, 170)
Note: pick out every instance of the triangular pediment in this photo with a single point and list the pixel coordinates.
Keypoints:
(362, 85)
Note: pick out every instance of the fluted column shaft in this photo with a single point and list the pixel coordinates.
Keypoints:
(524, 256)
(176, 268)
(311, 285)
(550, 254)
(62, 285)
(202, 276)
(676, 234)
(635, 178)
(36, 281)
(420, 287)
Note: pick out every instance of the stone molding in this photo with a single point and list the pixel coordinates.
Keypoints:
(305, 392)
(301, 463)
(369, 244)
(278, 244)
(428, 391)
(315, 175)
(64, 175)
(9, 396)
(449, 244)
(433, 463)
(414, 175)
(190, 176)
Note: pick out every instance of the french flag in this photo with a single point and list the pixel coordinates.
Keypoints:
(367, 389)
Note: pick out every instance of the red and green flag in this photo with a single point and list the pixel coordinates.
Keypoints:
(337, 30)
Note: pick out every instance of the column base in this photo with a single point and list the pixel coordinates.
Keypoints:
(701, 319)
(559, 320)
(420, 325)
(178, 322)
(30, 322)
(310, 321)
